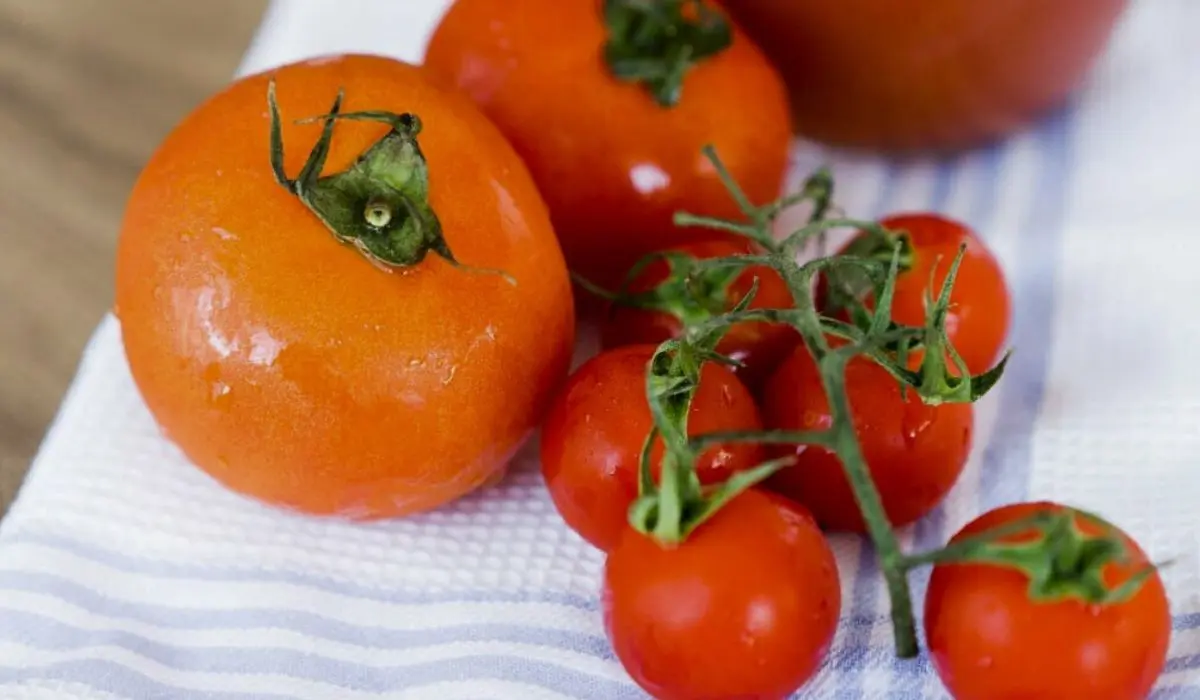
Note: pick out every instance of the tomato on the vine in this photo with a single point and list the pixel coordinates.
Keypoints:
(760, 347)
(979, 317)
(746, 607)
(915, 451)
(593, 437)
(989, 640)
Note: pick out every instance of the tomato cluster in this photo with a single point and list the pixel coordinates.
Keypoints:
(369, 324)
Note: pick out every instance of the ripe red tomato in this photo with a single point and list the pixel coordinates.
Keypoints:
(613, 163)
(759, 346)
(592, 439)
(979, 317)
(746, 607)
(283, 358)
(928, 74)
(915, 451)
(989, 641)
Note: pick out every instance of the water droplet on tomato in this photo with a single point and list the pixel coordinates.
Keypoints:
(915, 420)
(220, 392)
(985, 662)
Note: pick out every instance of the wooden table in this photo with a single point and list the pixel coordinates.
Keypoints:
(87, 90)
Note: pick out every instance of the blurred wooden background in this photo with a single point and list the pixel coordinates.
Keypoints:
(87, 89)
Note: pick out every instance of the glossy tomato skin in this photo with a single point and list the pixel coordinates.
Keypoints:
(988, 641)
(593, 435)
(915, 451)
(937, 74)
(746, 607)
(613, 165)
(980, 305)
(759, 346)
(293, 370)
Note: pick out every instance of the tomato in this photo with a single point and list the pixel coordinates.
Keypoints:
(593, 437)
(915, 451)
(304, 372)
(989, 641)
(980, 308)
(613, 162)
(759, 346)
(932, 74)
(746, 607)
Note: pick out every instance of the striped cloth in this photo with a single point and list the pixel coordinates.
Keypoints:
(125, 573)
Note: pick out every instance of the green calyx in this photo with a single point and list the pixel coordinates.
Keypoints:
(656, 42)
(380, 204)
(689, 292)
(1061, 561)
(670, 510)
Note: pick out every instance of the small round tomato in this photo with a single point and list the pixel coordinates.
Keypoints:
(745, 607)
(593, 437)
(915, 451)
(760, 347)
(586, 92)
(978, 321)
(990, 641)
(316, 342)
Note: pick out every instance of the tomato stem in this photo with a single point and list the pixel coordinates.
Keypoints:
(843, 440)
(656, 43)
(1059, 559)
(380, 204)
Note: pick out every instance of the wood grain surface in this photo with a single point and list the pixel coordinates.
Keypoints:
(87, 90)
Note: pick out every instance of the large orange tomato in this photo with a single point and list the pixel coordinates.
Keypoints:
(926, 73)
(310, 342)
(616, 157)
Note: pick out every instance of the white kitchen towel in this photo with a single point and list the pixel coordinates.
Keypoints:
(126, 573)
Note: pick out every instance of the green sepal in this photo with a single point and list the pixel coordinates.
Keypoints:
(381, 203)
(656, 42)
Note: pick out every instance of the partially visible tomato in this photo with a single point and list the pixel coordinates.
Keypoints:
(928, 74)
(915, 451)
(593, 436)
(980, 307)
(759, 346)
(613, 162)
(989, 641)
(295, 368)
(746, 607)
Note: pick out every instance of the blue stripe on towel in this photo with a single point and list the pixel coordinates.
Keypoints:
(44, 633)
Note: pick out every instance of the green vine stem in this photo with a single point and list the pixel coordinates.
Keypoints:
(1060, 560)
(656, 42)
(870, 333)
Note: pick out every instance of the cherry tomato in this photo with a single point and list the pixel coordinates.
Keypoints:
(612, 160)
(593, 436)
(989, 641)
(915, 451)
(759, 346)
(979, 316)
(746, 607)
(928, 74)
